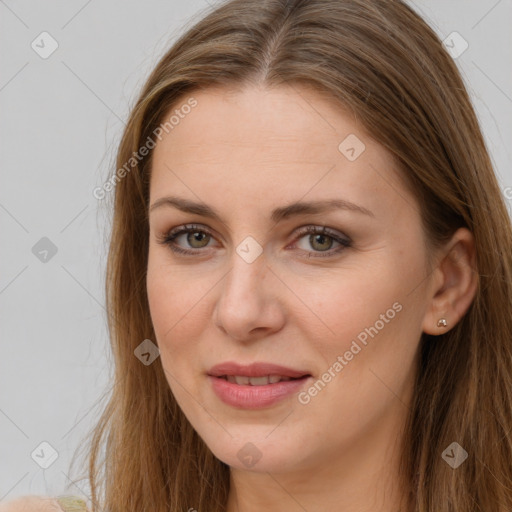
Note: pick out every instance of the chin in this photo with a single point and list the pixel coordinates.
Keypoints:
(257, 451)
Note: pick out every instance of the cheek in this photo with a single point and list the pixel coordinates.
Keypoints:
(176, 304)
(366, 356)
(341, 304)
(369, 318)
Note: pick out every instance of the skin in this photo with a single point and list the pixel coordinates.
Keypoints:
(31, 504)
(245, 152)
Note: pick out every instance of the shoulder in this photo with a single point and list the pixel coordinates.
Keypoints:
(45, 504)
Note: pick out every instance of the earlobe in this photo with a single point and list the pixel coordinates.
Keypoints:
(455, 286)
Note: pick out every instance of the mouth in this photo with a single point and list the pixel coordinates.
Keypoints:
(255, 386)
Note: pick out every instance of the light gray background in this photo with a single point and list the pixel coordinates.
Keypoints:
(61, 120)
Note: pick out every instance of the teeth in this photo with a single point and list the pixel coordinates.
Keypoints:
(258, 381)
(243, 380)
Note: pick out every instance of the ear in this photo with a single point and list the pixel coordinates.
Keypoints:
(454, 283)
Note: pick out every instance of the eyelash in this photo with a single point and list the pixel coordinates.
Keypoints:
(169, 238)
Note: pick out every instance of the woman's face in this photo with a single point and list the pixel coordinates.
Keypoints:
(341, 312)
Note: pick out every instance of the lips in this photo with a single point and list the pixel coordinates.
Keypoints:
(255, 386)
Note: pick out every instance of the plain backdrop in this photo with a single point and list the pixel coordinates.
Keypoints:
(61, 118)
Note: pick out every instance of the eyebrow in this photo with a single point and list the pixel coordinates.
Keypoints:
(278, 214)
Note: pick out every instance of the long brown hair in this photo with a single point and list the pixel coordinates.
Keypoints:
(382, 61)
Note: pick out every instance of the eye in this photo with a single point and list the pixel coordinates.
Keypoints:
(196, 237)
(321, 239)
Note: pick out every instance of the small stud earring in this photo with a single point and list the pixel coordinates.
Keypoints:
(442, 322)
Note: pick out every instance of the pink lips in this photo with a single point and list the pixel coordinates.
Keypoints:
(247, 396)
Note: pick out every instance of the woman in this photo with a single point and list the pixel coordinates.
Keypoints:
(308, 227)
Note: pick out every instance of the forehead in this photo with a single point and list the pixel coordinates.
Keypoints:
(271, 144)
(261, 119)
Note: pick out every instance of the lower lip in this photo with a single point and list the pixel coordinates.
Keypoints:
(255, 397)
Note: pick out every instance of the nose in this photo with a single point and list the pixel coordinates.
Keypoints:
(249, 306)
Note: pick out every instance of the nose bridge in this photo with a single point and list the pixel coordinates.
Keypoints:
(246, 300)
(243, 281)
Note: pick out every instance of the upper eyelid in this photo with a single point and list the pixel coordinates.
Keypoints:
(201, 227)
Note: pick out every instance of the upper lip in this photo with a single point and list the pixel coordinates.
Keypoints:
(254, 370)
